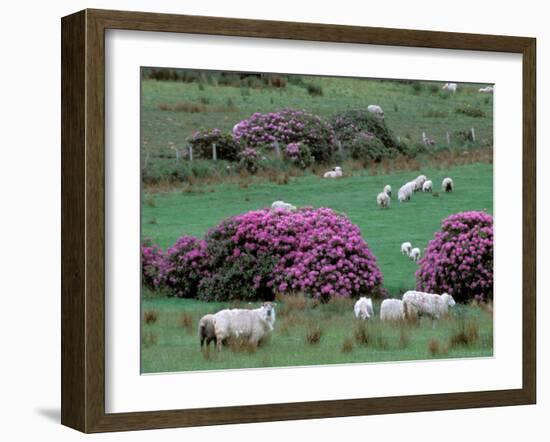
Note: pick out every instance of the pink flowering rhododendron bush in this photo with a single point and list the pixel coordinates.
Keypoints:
(459, 260)
(263, 252)
(285, 127)
(151, 264)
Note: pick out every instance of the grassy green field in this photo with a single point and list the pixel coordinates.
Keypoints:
(170, 343)
(167, 216)
(408, 112)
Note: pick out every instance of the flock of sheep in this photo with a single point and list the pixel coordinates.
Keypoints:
(405, 192)
(254, 326)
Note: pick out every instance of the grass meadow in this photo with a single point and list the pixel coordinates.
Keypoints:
(308, 332)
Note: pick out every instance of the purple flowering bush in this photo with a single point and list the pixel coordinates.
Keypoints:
(226, 147)
(299, 154)
(184, 265)
(151, 264)
(250, 159)
(287, 126)
(263, 252)
(459, 260)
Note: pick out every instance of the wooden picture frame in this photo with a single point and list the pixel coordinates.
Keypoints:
(83, 220)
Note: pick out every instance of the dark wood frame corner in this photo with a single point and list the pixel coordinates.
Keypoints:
(83, 217)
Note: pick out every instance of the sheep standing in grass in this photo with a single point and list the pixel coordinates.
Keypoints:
(486, 90)
(427, 186)
(252, 326)
(447, 185)
(405, 192)
(387, 190)
(207, 330)
(375, 109)
(406, 248)
(363, 308)
(383, 200)
(427, 304)
(451, 87)
(335, 173)
(415, 254)
(392, 310)
(281, 205)
(419, 182)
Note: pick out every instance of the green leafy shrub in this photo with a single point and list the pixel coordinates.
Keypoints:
(367, 148)
(226, 147)
(469, 110)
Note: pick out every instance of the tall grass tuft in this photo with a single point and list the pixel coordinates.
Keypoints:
(186, 321)
(347, 345)
(150, 317)
(149, 339)
(313, 333)
(465, 335)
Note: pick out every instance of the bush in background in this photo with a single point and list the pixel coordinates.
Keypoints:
(366, 148)
(459, 260)
(250, 160)
(226, 147)
(151, 263)
(299, 154)
(264, 131)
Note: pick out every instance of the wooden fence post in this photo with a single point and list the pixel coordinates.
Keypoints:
(190, 150)
(277, 149)
(214, 152)
(473, 135)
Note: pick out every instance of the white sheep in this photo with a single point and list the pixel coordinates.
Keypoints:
(363, 308)
(252, 326)
(405, 192)
(335, 173)
(406, 248)
(487, 90)
(427, 304)
(392, 310)
(427, 186)
(281, 205)
(415, 254)
(207, 330)
(383, 200)
(447, 185)
(387, 190)
(375, 109)
(419, 182)
(452, 87)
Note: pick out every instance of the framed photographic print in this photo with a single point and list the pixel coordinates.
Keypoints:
(268, 221)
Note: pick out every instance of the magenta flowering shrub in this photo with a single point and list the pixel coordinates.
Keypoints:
(299, 154)
(459, 260)
(263, 252)
(284, 127)
(226, 147)
(250, 159)
(151, 263)
(184, 265)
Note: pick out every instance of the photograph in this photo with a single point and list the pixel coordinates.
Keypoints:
(292, 220)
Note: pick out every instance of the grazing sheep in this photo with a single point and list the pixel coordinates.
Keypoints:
(281, 205)
(335, 173)
(447, 185)
(207, 330)
(251, 325)
(487, 90)
(375, 109)
(387, 190)
(363, 308)
(451, 87)
(383, 200)
(415, 254)
(405, 192)
(392, 310)
(419, 182)
(427, 304)
(406, 248)
(427, 186)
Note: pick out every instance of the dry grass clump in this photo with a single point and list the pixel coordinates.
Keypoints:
(186, 321)
(241, 345)
(196, 108)
(466, 334)
(404, 338)
(150, 316)
(347, 345)
(436, 348)
(370, 334)
(313, 333)
(148, 339)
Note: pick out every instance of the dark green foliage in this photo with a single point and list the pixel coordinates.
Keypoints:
(368, 149)
(226, 147)
(314, 90)
(471, 111)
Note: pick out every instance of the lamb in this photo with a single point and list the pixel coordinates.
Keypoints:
(406, 248)
(405, 192)
(447, 185)
(415, 254)
(383, 200)
(252, 326)
(392, 310)
(281, 205)
(363, 308)
(487, 90)
(427, 186)
(387, 190)
(375, 109)
(207, 330)
(419, 182)
(335, 173)
(450, 87)
(427, 304)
